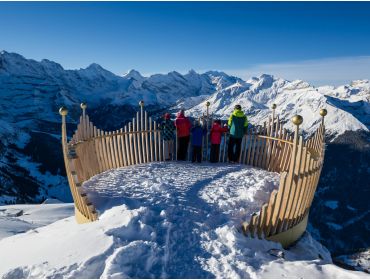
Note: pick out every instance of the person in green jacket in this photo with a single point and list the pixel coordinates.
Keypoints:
(238, 124)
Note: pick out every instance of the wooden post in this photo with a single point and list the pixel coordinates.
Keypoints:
(83, 106)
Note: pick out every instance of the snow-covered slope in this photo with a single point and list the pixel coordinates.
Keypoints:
(20, 218)
(157, 222)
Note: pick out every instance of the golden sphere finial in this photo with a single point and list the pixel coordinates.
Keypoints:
(297, 120)
(83, 105)
(323, 112)
(208, 103)
(63, 111)
(273, 106)
(141, 103)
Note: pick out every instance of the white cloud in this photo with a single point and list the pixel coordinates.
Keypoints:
(328, 71)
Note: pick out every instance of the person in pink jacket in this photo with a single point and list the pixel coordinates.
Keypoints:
(216, 133)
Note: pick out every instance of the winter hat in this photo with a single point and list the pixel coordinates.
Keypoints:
(167, 116)
(238, 107)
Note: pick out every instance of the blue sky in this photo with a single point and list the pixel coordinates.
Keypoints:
(322, 42)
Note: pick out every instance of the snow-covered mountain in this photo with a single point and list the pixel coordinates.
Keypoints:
(348, 106)
(31, 92)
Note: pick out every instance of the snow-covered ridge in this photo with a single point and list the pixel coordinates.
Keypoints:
(348, 106)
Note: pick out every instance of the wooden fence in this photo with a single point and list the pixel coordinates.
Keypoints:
(269, 146)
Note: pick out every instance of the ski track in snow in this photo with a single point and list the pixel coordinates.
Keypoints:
(173, 220)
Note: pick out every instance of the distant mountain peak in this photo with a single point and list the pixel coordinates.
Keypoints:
(192, 72)
(134, 74)
(95, 66)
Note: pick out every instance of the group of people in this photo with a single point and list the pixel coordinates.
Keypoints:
(236, 126)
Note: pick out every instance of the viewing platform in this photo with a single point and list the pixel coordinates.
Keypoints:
(283, 214)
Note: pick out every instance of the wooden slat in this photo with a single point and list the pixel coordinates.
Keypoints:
(253, 225)
(280, 151)
(160, 145)
(155, 141)
(265, 148)
(115, 151)
(251, 142)
(124, 147)
(99, 152)
(128, 146)
(306, 181)
(253, 149)
(293, 195)
(262, 221)
(274, 145)
(269, 213)
(105, 150)
(111, 150)
(119, 149)
(278, 209)
(262, 148)
(309, 185)
(300, 187)
(146, 138)
(134, 129)
(288, 187)
(287, 159)
(151, 140)
(259, 151)
(138, 138)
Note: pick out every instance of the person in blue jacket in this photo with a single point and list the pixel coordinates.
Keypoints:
(197, 133)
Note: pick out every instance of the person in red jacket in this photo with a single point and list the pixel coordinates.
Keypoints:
(183, 126)
(216, 134)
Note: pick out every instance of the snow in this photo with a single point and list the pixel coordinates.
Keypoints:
(332, 204)
(19, 218)
(359, 261)
(164, 220)
(334, 226)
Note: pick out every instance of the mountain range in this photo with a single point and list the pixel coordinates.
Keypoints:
(31, 164)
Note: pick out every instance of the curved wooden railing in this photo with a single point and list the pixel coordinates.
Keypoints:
(271, 147)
